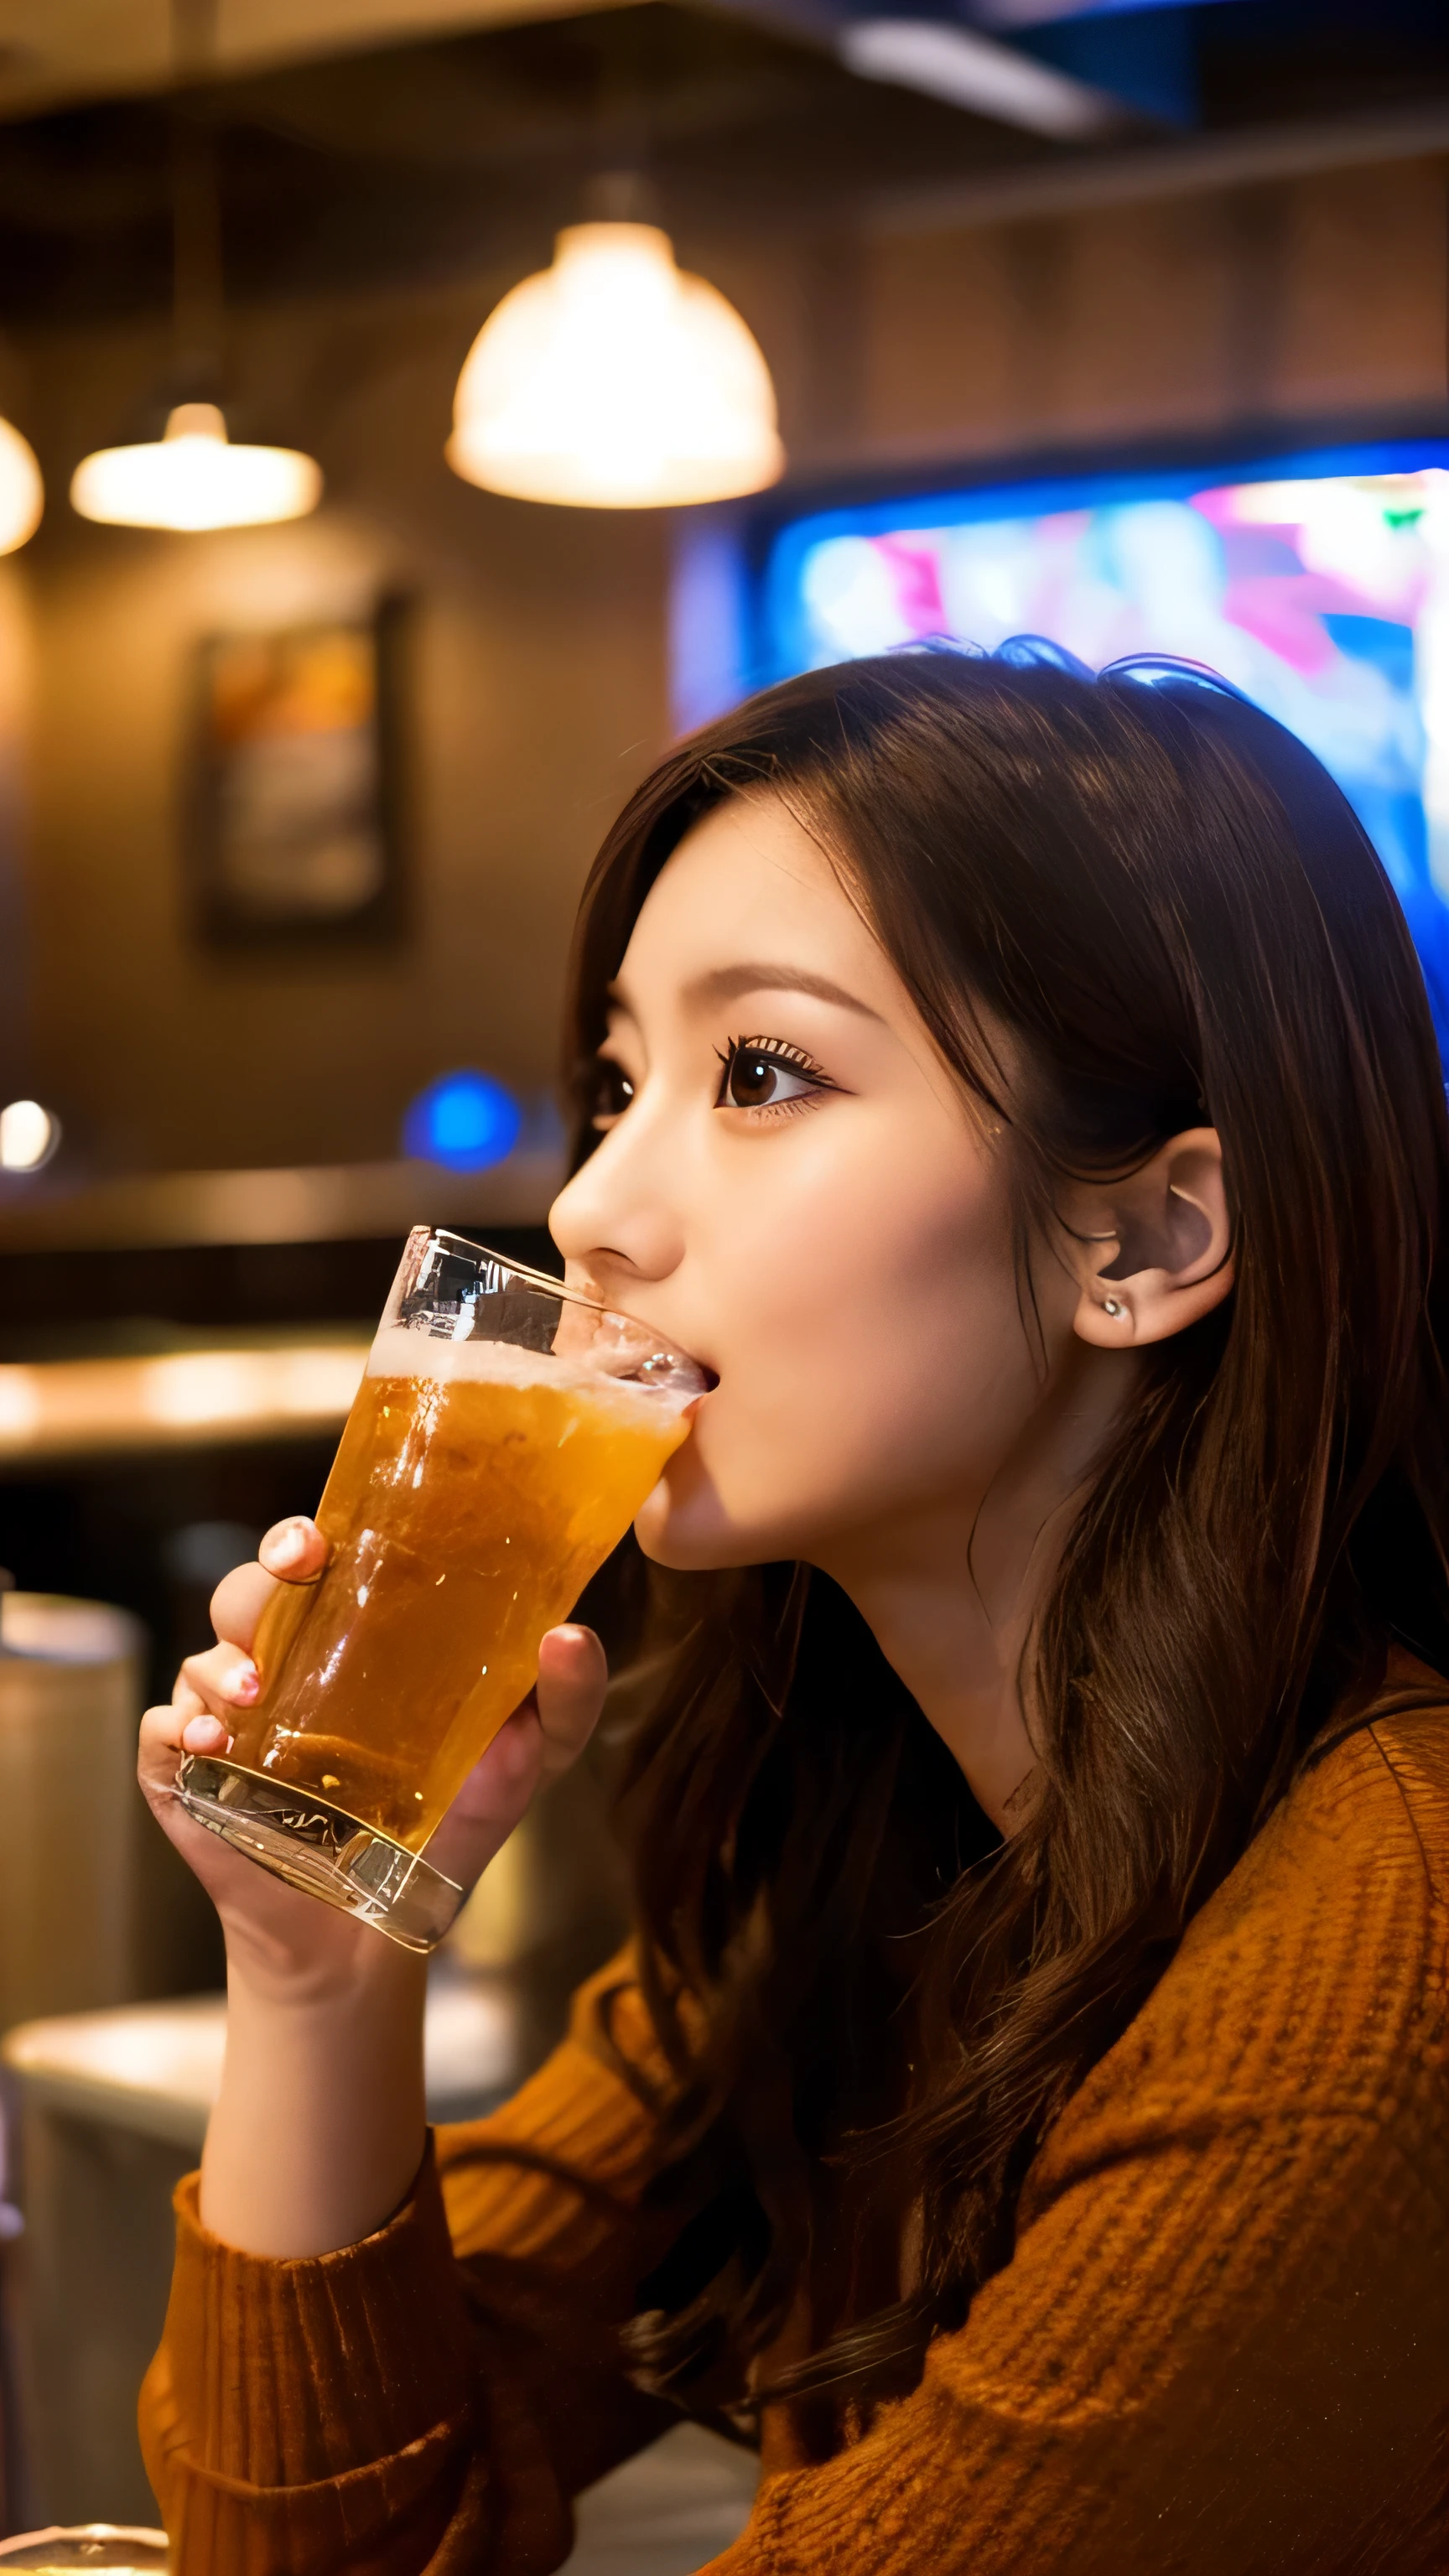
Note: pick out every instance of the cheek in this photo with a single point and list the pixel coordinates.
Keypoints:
(870, 1356)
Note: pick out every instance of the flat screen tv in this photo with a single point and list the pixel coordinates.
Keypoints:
(1318, 583)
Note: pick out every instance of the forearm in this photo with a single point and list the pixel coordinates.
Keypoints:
(319, 2126)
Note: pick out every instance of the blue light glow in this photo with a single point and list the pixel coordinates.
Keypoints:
(466, 1121)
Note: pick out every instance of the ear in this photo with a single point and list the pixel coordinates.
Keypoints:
(1154, 1252)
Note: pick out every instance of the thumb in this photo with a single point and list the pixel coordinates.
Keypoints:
(495, 1796)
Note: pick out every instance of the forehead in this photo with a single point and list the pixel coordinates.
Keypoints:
(750, 882)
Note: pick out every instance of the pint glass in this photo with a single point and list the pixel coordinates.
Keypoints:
(506, 1432)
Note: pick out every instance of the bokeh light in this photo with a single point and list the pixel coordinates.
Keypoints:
(466, 1121)
(29, 1136)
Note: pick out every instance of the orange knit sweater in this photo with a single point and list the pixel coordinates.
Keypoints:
(1221, 2347)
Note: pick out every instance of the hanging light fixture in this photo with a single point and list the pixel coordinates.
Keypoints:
(614, 380)
(193, 477)
(22, 494)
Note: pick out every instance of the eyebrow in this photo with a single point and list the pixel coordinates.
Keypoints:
(727, 983)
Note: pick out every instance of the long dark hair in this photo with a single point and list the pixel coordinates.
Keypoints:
(1165, 901)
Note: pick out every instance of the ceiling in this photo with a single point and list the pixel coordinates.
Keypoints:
(58, 50)
(395, 166)
(364, 160)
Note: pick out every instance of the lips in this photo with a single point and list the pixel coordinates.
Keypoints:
(692, 1409)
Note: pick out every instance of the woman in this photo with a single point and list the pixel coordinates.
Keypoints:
(1024, 2106)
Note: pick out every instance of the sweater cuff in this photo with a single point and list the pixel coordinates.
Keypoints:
(283, 2373)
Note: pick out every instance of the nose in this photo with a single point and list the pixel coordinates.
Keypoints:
(619, 1214)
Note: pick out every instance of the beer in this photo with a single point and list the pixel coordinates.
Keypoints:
(506, 1433)
(477, 1487)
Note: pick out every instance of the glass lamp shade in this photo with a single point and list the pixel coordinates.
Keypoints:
(22, 494)
(194, 478)
(615, 381)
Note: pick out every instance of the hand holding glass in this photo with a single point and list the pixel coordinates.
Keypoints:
(504, 1437)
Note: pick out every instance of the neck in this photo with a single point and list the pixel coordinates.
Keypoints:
(951, 1593)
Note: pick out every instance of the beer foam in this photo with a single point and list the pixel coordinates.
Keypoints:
(396, 1352)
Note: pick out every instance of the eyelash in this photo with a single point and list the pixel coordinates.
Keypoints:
(611, 1075)
(772, 1051)
(792, 1059)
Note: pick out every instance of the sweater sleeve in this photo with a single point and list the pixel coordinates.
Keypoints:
(1223, 2340)
(430, 2399)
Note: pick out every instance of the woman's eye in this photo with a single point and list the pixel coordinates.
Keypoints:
(614, 1093)
(765, 1077)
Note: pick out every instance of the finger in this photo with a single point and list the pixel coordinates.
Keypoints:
(573, 1675)
(238, 1602)
(167, 1733)
(492, 1799)
(503, 1779)
(189, 1702)
(161, 1730)
(171, 1730)
(205, 1735)
(221, 1682)
(537, 1743)
(294, 1550)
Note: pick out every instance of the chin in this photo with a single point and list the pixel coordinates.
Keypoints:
(691, 1543)
(685, 1525)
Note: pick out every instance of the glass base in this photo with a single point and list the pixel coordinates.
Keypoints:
(321, 1849)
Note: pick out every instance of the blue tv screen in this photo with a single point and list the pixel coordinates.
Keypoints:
(1318, 583)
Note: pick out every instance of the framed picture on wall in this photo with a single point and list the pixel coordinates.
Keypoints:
(295, 824)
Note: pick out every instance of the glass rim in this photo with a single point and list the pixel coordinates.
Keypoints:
(547, 1284)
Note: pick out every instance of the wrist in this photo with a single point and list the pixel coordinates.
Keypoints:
(280, 1967)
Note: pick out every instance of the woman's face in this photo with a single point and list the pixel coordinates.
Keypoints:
(792, 1186)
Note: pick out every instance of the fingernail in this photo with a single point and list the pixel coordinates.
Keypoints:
(202, 1734)
(242, 1682)
(286, 1549)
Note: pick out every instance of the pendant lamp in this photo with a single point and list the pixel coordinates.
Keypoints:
(22, 494)
(192, 477)
(615, 381)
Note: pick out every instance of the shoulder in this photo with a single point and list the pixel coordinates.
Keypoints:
(1222, 2325)
(1357, 1854)
(1358, 1851)
(1310, 1987)
(1408, 1728)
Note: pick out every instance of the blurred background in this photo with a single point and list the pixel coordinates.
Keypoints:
(334, 628)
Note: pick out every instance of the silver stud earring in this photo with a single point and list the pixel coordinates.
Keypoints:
(1111, 1307)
